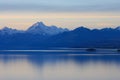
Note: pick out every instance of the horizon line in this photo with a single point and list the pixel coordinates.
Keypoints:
(59, 27)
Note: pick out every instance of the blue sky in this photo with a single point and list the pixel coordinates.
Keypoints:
(21, 14)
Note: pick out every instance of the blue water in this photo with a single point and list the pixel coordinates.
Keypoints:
(58, 65)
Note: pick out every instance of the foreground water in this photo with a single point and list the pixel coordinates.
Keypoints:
(58, 66)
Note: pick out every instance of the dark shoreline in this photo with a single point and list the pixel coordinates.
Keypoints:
(59, 51)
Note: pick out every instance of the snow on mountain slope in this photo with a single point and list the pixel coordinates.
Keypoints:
(10, 31)
(37, 28)
(41, 28)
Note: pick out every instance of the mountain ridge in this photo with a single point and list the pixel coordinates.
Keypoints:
(37, 28)
(40, 27)
(80, 37)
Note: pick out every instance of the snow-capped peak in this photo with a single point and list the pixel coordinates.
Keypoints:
(39, 24)
(117, 28)
(7, 30)
(41, 28)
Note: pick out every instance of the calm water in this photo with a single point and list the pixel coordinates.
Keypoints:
(58, 66)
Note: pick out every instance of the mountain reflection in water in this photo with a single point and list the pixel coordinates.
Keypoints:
(59, 66)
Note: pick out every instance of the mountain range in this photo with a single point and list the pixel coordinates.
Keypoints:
(37, 28)
(40, 36)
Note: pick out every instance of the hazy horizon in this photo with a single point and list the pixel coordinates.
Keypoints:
(70, 14)
(57, 27)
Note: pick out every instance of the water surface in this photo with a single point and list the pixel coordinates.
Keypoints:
(58, 66)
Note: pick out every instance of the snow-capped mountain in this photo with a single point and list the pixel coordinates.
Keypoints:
(52, 36)
(41, 28)
(10, 31)
(117, 28)
(37, 28)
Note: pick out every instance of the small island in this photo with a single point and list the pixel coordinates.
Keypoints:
(91, 49)
(118, 50)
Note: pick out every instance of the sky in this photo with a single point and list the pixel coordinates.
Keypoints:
(21, 14)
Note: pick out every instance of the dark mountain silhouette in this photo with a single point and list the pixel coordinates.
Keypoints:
(84, 37)
(40, 36)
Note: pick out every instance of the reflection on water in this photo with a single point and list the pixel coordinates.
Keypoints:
(45, 66)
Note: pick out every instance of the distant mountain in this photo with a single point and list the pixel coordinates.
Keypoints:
(41, 36)
(41, 28)
(37, 28)
(117, 28)
(9, 31)
(84, 37)
(37, 33)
